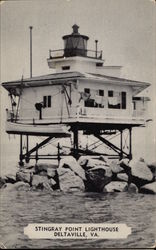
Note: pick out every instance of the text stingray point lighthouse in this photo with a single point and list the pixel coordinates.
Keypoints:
(82, 95)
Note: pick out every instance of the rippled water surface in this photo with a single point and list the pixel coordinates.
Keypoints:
(19, 208)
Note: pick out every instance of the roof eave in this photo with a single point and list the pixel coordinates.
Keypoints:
(119, 81)
(35, 81)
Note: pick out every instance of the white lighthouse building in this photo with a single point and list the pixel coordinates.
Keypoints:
(82, 95)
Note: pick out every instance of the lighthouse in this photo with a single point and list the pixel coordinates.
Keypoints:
(82, 97)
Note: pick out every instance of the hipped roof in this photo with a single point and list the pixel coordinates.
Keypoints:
(51, 79)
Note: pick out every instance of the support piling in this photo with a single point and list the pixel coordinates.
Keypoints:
(21, 152)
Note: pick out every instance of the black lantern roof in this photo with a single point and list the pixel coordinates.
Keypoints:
(75, 33)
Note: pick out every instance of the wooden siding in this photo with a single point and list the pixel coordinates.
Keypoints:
(60, 111)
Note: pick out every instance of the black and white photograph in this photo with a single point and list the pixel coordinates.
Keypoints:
(78, 119)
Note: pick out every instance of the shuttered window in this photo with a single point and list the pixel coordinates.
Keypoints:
(123, 100)
(47, 101)
(44, 101)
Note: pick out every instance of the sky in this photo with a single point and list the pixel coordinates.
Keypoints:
(125, 30)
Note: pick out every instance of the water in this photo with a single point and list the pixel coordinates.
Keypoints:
(19, 208)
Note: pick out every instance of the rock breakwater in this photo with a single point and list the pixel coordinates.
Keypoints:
(86, 174)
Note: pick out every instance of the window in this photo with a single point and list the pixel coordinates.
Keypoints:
(110, 93)
(44, 101)
(114, 99)
(134, 105)
(99, 64)
(94, 98)
(89, 102)
(123, 100)
(65, 67)
(47, 101)
(87, 91)
(101, 92)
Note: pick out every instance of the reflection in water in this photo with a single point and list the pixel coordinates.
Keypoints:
(21, 208)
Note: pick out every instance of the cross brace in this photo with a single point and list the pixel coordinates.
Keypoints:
(37, 147)
(109, 144)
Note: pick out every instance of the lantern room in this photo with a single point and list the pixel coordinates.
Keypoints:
(75, 44)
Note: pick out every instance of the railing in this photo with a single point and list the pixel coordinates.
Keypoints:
(60, 53)
(76, 112)
(102, 113)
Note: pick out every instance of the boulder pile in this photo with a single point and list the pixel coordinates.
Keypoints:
(86, 174)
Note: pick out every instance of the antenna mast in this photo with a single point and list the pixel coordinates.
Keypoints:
(31, 27)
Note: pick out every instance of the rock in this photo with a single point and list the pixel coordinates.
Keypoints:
(23, 176)
(10, 187)
(98, 173)
(2, 182)
(124, 164)
(45, 185)
(122, 177)
(69, 181)
(38, 181)
(89, 163)
(148, 188)
(27, 170)
(97, 178)
(74, 166)
(44, 167)
(10, 179)
(95, 162)
(51, 172)
(140, 173)
(29, 166)
(152, 167)
(132, 188)
(52, 182)
(140, 169)
(42, 173)
(116, 186)
(18, 186)
(83, 160)
(115, 167)
(137, 171)
(107, 170)
(21, 186)
(57, 182)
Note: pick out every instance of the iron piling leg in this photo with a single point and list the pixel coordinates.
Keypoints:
(58, 156)
(130, 143)
(36, 153)
(21, 152)
(27, 159)
(121, 145)
(76, 144)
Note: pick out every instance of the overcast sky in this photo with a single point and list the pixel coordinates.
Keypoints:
(125, 30)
